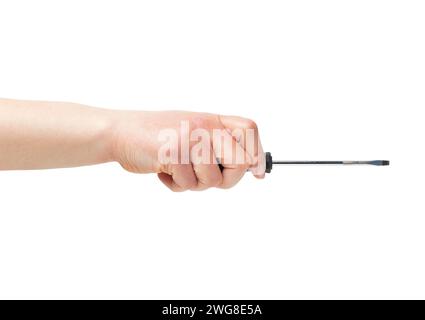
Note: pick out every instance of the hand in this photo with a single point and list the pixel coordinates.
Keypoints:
(137, 147)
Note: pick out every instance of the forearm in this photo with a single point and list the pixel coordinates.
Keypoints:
(40, 135)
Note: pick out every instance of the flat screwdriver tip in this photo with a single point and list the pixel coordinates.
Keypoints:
(380, 162)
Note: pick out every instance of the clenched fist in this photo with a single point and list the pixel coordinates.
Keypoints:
(198, 141)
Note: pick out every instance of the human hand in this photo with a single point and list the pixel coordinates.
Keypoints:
(232, 141)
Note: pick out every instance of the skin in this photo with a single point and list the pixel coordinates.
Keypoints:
(42, 135)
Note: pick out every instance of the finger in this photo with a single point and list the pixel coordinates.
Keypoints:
(169, 182)
(245, 131)
(182, 177)
(233, 158)
(206, 169)
(208, 175)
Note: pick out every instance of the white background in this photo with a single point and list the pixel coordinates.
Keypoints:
(323, 80)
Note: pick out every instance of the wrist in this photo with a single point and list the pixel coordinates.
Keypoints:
(132, 140)
(110, 136)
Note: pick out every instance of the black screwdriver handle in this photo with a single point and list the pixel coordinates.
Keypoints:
(269, 163)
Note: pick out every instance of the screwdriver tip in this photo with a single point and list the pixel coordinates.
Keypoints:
(380, 162)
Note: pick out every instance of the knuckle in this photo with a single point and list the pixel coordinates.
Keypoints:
(251, 124)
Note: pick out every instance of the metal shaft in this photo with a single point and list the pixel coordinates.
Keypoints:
(270, 162)
(371, 162)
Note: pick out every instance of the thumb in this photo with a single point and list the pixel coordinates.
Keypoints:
(245, 131)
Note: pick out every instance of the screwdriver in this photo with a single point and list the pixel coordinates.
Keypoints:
(270, 162)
